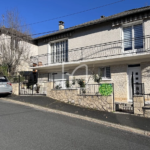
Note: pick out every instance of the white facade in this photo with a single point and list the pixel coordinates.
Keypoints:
(99, 46)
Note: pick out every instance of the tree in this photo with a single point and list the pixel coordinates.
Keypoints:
(14, 43)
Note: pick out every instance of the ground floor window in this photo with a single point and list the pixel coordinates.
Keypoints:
(105, 72)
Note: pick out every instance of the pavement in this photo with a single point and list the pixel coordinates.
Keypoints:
(27, 128)
(123, 119)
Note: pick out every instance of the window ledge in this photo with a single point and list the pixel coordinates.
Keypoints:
(106, 79)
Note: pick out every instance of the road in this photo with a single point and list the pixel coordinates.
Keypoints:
(24, 128)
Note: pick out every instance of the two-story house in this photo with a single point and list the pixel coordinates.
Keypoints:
(117, 46)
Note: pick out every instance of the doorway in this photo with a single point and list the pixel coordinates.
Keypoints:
(134, 76)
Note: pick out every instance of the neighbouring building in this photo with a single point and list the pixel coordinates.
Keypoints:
(15, 44)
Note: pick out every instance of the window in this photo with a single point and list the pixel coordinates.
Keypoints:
(14, 43)
(3, 79)
(59, 51)
(105, 73)
(133, 37)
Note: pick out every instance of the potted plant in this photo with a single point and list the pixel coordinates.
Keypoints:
(67, 84)
(81, 82)
(38, 88)
(73, 81)
(97, 78)
(58, 87)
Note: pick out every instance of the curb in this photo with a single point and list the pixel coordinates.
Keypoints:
(117, 126)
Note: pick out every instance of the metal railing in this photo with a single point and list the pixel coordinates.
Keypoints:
(64, 84)
(111, 49)
(87, 89)
(93, 89)
(138, 89)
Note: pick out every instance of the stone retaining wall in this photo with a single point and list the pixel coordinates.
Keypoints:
(103, 103)
(139, 108)
(15, 88)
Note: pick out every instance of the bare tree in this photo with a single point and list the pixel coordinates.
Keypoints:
(14, 42)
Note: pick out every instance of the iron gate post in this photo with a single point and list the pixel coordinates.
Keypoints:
(32, 87)
(19, 84)
(113, 98)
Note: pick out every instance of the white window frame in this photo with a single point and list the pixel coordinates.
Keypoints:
(50, 52)
(131, 25)
(105, 78)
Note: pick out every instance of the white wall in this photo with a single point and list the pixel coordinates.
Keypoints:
(147, 27)
(96, 34)
(42, 48)
(28, 48)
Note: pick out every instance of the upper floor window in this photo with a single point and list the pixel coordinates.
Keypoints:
(59, 51)
(133, 37)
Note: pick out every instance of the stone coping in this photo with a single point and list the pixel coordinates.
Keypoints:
(62, 89)
(146, 107)
(91, 95)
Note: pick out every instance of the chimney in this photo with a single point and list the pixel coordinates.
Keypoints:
(102, 16)
(61, 25)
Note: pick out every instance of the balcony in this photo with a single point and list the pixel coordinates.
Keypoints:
(106, 51)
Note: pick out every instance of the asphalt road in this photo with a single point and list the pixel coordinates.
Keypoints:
(24, 128)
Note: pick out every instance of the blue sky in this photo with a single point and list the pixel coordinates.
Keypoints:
(37, 10)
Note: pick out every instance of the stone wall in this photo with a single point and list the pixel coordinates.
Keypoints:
(118, 76)
(139, 108)
(103, 103)
(145, 69)
(138, 104)
(120, 79)
(15, 88)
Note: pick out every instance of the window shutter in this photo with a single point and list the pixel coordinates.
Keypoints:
(127, 38)
(138, 35)
(108, 72)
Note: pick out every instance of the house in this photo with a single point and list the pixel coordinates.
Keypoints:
(117, 47)
(15, 44)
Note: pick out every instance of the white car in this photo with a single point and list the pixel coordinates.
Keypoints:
(5, 86)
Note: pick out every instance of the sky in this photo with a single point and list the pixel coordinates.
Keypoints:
(32, 11)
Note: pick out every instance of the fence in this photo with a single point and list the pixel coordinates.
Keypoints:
(84, 89)
(138, 89)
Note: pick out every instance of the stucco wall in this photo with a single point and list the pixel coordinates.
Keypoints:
(32, 51)
(147, 27)
(96, 34)
(42, 48)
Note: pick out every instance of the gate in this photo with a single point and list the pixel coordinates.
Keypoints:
(29, 85)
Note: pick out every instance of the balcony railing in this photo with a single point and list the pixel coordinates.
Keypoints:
(135, 46)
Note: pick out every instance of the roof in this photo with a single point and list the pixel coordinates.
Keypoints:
(14, 32)
(93, 22)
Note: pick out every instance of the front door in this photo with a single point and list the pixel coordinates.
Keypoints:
(134, 72)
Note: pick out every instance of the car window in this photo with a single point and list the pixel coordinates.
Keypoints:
(3, 79)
